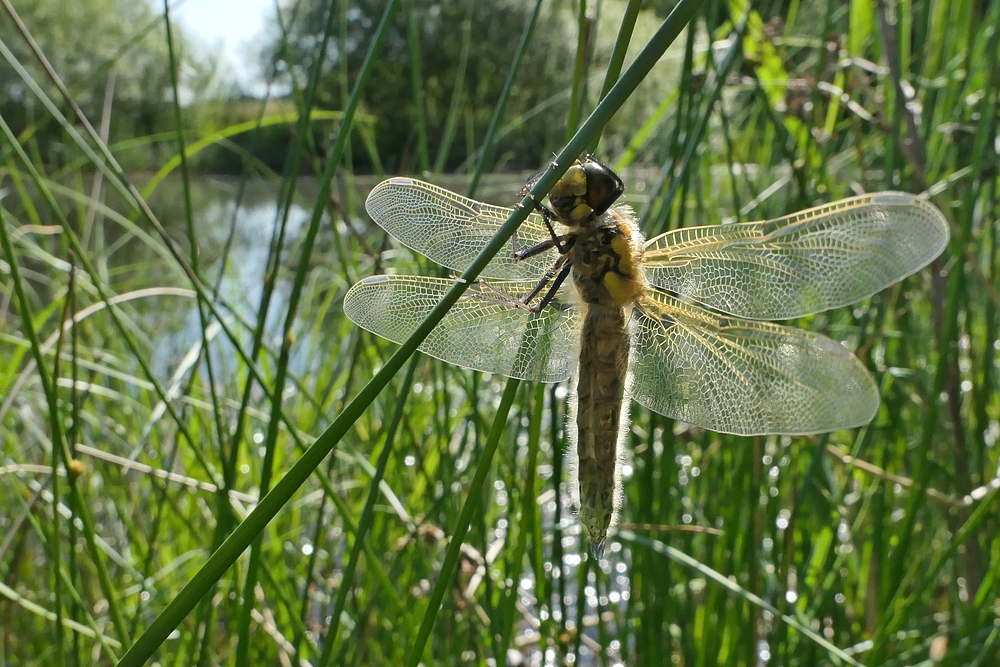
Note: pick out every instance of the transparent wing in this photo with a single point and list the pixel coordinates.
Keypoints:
(482, 331)
(743, 377)
(451, 229)
(822, 258)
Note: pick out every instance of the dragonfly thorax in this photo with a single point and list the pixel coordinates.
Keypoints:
(606, 260)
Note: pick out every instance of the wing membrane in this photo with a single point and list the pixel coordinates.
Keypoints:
(451, 229)
(822, 258)
(482, 330)
(744, 377)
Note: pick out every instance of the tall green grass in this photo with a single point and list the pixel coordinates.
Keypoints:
(151, 390)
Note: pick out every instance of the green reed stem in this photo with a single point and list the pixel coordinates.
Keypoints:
(367, 514)
(58, 439)
(472, 499)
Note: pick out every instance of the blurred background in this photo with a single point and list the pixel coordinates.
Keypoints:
(181, 203)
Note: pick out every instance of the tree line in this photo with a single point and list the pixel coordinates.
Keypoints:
(433, 93)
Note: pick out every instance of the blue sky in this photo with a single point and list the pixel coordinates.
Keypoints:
(228, 27)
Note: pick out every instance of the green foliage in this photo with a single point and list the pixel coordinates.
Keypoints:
(145, 388)
(96, 47)
(463, 48)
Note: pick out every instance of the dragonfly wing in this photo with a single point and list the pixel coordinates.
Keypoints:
(452, 230)
(822, 258)
(744, 377)
(482, 331)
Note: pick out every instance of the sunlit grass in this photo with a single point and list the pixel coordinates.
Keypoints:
(140, 383)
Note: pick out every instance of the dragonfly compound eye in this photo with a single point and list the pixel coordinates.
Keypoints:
(603, 185)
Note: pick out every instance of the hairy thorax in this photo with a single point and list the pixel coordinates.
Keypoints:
(606, 256)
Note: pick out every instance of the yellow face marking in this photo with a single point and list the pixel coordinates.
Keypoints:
(572, 184)
(580, 212)
(577, 177)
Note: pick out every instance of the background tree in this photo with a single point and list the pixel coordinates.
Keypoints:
(465, 51)
(93, 44)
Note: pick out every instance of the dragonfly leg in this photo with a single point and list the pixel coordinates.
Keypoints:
(542, 247)
(556, 284)
(561, 243)
(524, 303)
(490, 292)
(543, 281)
(513, 241)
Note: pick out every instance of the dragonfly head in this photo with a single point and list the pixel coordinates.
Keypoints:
(585, 191)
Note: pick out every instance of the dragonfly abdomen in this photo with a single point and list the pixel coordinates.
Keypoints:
(601, 416)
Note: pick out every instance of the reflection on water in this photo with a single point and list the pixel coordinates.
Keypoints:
(237, 223)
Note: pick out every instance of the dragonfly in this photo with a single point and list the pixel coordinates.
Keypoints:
(678, 323)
